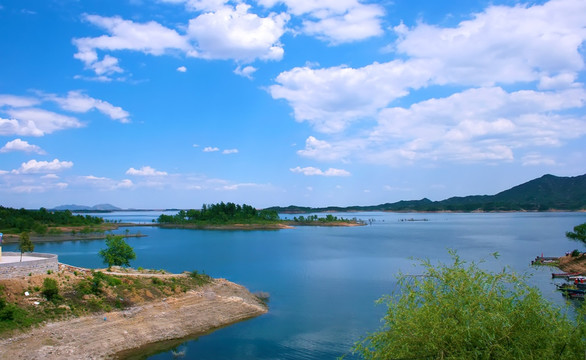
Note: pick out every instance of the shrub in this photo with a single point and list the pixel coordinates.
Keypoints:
(460, 311)
(575, 253)
(50, 289)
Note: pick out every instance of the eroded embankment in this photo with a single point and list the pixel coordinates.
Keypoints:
(102, 336)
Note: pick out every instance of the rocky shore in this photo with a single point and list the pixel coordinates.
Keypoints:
(104, 336)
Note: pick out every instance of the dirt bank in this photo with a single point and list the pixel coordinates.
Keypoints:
(103, 336)
(571, 264)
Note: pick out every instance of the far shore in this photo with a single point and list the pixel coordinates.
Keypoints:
(109, 335)
(68, 235)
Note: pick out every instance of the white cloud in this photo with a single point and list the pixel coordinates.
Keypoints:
(535, 159)
(35, 122)
(145, 171)
(312, 171)
(150, 38)
(333, 97)
(124, 184)
(210, 149)
(335, 21)
(476, 125)
(246, 72)
(511, 45)
(235, 33)
(199, 5)
(502, 44)
(20, 145)
(234, 187)
(324, 151)
(230, 151)
(17, 101)
(78, 102)
(39, 188)
(221, 32)
(104, 183)
(34, 166)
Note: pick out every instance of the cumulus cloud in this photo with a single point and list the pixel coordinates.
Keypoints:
(246, 72)
(502, 44)
(145, 171)
(35, 122)
(539, 44)
(27, 117)
(475, 125)
(312, 171)
(520, 118)
(325, 151)
(534, 49)
(235, 33)
(331, 98)
(150, 38)
(20, 145)
(182, 69)
(34, 166)
(335, 21)
(230, 151)
(221, 32)
(210, 149)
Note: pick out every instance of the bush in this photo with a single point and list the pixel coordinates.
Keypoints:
(459, 311)
(50, 289)
(575, 253)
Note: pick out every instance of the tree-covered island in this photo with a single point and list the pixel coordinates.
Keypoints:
(232, 216)
(52, 225)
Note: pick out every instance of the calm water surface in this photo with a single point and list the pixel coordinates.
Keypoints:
(323, 281)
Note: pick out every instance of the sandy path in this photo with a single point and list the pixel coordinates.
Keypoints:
(92, 337)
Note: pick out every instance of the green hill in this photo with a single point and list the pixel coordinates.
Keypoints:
(546, 193)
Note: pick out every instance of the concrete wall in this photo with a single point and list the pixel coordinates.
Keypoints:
(18, 269)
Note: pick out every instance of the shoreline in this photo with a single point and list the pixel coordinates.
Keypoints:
(571, 264)
(107, 335)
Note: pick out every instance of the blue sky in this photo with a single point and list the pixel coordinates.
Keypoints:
(176, 103)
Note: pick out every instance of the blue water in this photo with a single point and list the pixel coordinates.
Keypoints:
(323, 281)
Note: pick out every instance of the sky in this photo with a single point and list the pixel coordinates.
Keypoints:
(154, 104)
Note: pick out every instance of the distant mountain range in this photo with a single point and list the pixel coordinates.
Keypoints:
(99, 207)
(546, 193)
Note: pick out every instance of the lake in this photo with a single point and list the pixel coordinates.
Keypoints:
(323, 281)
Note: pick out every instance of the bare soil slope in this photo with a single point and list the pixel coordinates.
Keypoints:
(102, 336)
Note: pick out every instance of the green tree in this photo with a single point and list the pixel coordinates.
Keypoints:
(578, 234)
(118, 252)
(459, 311)
(25, 244)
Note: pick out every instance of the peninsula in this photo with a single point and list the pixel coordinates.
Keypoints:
(150, 307)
